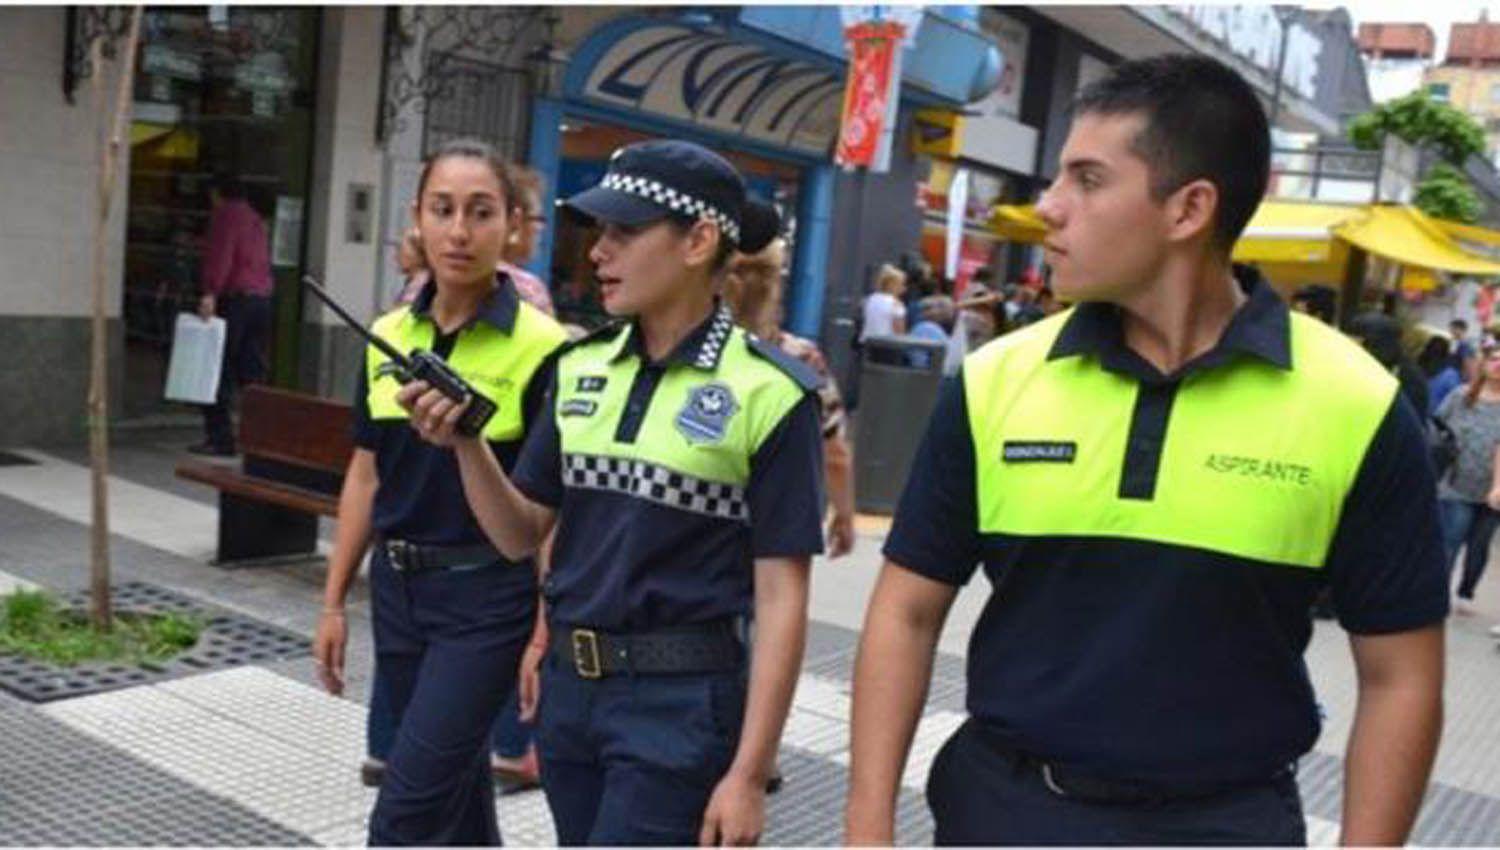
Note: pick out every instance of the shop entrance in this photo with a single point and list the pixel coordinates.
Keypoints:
(220, 90)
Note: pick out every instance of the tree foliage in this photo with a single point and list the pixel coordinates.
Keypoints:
(1420, 120)
(1445, 193)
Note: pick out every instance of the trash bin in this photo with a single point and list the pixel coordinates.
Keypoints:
(898, 386)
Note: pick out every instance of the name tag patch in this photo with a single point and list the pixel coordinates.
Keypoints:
(577, 407)
(1039, 451)
(592, 383)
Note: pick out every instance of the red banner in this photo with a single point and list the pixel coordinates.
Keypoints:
(868, 90)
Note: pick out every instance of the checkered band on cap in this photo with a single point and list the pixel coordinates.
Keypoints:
(675, 200)
(657, 484)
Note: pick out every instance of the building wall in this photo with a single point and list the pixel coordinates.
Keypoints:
(1477, 92)
(1393, 78)
(49, 169)
(345, 153)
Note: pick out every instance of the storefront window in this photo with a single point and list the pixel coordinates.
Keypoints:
(979, 245)
(219, 91)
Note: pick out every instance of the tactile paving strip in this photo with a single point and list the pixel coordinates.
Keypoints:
(228, 639)
(809, 809)
(60, 787)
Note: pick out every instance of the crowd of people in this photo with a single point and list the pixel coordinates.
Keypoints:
(1454, 383)
(908, 299)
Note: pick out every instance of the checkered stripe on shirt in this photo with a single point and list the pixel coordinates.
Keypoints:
(656, 484)
(680, 202)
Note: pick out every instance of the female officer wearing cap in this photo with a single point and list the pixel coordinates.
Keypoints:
(681, 467)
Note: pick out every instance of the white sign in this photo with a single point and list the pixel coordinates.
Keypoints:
(693, 77)
(1255, 34)
(958, 204)
(286, 232)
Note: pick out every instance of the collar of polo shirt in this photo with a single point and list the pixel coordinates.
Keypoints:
(701, 349)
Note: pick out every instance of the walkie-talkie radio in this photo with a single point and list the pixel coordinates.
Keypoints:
(421, 366)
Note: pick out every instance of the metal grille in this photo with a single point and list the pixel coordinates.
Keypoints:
(227, 640)
(477, 100)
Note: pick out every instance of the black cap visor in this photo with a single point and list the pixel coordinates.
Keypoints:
(611, 206)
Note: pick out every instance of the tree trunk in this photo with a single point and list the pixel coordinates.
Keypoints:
(98, 408)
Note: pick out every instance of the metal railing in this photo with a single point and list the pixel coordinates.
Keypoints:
(1313, 171)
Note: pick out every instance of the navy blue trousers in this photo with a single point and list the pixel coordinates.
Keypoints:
(632, 760)
(980, 797)
(448, 644)
(247, 340)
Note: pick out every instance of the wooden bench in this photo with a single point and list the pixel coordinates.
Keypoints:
(295, 449)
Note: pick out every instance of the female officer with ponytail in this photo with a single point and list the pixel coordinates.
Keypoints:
(451, 614)
(680, 464)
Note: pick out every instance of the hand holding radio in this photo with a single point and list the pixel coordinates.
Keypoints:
(473, 409)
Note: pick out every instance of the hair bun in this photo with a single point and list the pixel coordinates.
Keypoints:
(759, 225)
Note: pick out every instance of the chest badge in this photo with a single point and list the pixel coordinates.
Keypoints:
(705, 417)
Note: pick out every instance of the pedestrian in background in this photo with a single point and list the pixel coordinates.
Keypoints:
(884, 312)
(236, 284)
(1468, 494)
(1436, 362)
(754, 286)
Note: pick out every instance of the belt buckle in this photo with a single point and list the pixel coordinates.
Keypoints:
(586, 659)
(1051, 781)
(399, 553)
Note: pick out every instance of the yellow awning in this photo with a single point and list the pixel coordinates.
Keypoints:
(1408, 236)
(143, 131)
(1017, 223)
(1289, 232)
(1279, 232)
(1292, 232)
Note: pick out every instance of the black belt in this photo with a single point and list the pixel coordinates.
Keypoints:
(1090, 787)
(704, 648)
(406, 557)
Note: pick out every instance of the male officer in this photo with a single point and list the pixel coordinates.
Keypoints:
(1157, 483)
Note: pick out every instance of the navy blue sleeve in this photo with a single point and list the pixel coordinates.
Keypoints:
(535, 395)
(1386, 563)
(936, 530)
(786, 486)
(538, 471)
(366, 433)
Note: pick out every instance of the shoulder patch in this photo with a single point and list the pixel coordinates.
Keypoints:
(603, 333)
(795, 369)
